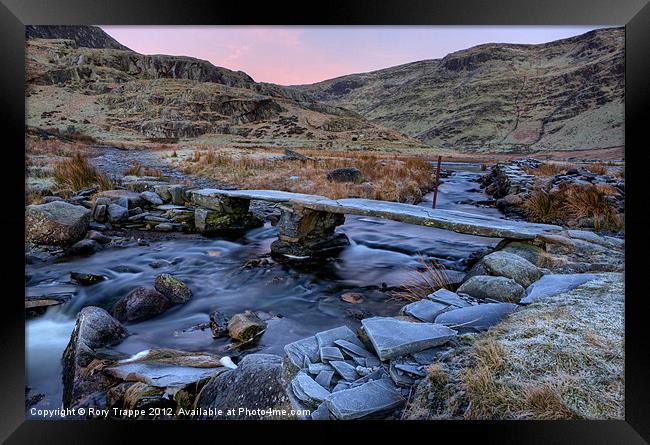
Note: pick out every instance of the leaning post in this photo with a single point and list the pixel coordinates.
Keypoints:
(435, 191)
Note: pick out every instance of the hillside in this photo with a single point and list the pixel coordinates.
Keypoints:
(562, 95)
(81, 77)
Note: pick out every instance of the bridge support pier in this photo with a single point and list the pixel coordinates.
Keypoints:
(308, 233)
(223, 214)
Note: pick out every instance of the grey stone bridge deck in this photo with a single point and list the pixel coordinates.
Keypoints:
(307, 222)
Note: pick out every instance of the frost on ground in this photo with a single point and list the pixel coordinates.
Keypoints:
(560, 358)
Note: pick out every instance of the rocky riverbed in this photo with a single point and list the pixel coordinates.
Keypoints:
(136, 307)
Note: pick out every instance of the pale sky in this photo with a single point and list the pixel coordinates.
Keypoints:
(290, 55)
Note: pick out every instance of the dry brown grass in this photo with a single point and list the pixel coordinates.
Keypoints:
(421, 283)
(54, 147)
(597, 168)
(77, 173)
(573, 202)
(140, 170)
(387, 177)
(549, 169)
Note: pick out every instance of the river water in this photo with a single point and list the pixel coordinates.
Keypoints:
(300, 300)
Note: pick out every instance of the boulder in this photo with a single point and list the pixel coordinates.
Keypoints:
(84, 247)
(493, 288)
(57, 222)
(171, 287)
(393, 338)
(512, 266)
(95, 329)
(245, 326)
(117, 213)
(345, 174)
(476, 318)
(141, 303)
(255, 385)
(152, 198)
(98, 236)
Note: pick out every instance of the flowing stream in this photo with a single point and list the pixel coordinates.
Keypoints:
(300, 300)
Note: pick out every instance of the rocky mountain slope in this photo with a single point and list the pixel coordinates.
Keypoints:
(562, 95)
(81, 77)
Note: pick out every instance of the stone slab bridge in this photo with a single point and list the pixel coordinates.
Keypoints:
(306, 228)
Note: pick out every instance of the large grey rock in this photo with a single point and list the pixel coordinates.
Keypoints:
(554, 284)
(371, 399)
(117, 213)
(171, 287)
(255, 384)
(95, 329)
(512, 266)
(392, 337)
(152, 198)
(476, 318)
(167, 367)
(493, 288)
(307, 390)
(447, 297)
(425, 310)
(141, 303)
(57, 222)
(345, 174)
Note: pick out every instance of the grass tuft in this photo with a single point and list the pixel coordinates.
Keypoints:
(422, 282)
(77, 173)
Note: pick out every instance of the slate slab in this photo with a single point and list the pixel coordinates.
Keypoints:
(298, 351)
(345, 370)
(329, 353)
(425, 310)
(324, 378)
(554, 284)
(354, 349)
(321, 413)
(370, 399)
(307, 390)
(327, 338)
(476, 318)
(392, 338)
(448, 297)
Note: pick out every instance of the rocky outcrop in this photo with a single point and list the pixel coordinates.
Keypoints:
(498, 97)
(95, 329)
(57, 222)
(85, 36)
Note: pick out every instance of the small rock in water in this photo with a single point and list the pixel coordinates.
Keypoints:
(141, 303)
(84, 247)
(99, 237)
(164, 227)
(352, 297)
(218, 324)
(172, 288)
(86, 278)
(245, 326)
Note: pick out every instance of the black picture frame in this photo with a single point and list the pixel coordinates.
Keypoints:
(634, 14)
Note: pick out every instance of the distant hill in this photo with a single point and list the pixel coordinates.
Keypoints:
(79, 76)
(562, 95)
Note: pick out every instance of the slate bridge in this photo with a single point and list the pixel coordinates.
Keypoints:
(306, 228)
